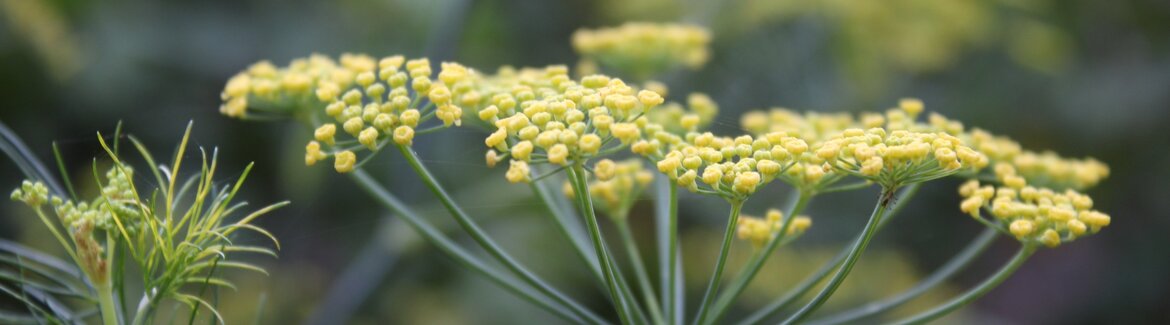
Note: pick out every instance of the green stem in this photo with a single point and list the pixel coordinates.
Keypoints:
(461, 256)
(956, 264)
(585, 203)
(757, 262)
(978, 291)
(105, 288)
(854, 254)
(713, 284)
(640, 270)
(796, 292)
(106, 303)
(672, 295)
(145, 306)
(483, 240)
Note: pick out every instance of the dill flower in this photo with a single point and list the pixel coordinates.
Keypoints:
(374, 101)
(543, 116)
(733, 168)
(900, 157)
(1032, 214)
(761, 230)
(643, 50)
(307, 82)
(698, 113)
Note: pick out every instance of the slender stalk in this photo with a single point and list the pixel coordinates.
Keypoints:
(956, 264)
(640, 271)
(105, 289)
(796, 292)
(713, 284)
(483, 240)
(461, 256)
(757, 262)
(106, 303)
(672, 295)
(585, 203)
(854, 254)
(978, 291)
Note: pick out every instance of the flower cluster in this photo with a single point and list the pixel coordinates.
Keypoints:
(547, 117)
(1029, 213)
(388, 104)
(1046, 169)
(642, 50)
(375, 101)
(264, 87)
(117, 198)
(733, 168)
(698, 113)
(900, 157)
(761, 230)
(617, 185)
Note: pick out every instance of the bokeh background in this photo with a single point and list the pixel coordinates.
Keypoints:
(1083, 78)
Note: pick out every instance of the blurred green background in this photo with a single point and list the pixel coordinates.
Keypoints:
(1083, 78)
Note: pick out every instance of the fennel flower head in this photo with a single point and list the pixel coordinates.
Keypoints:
(370, 102)
(643, 50)
(543, 116)
(1032, 196)
(759, 231)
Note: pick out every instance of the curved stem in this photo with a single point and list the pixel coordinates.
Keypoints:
(757, 262)
(978, 291)
(461, 256)
(713, 284)
(483, 240)
(585, 203)
(956, 264)
(783, 301)
(640, 271)
(850, 260)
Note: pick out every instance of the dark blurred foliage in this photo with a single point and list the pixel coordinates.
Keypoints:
(1086, 78)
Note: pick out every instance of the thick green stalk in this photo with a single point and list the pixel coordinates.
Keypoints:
(854, 254)
(713, 284)
(461, 256)
(105, 289)
(956, 264)
(978, 291)
(585, 203)
(483, 240)
(640, 271)
(106, 303)
(757, 262)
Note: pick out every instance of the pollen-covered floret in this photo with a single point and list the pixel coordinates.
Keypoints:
(1032, 214)
(305, 83)
(761, 230)
(733, 168)
(899, 157)
(643, 50)
(369, 102)
(698, 113)
(543, 116)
